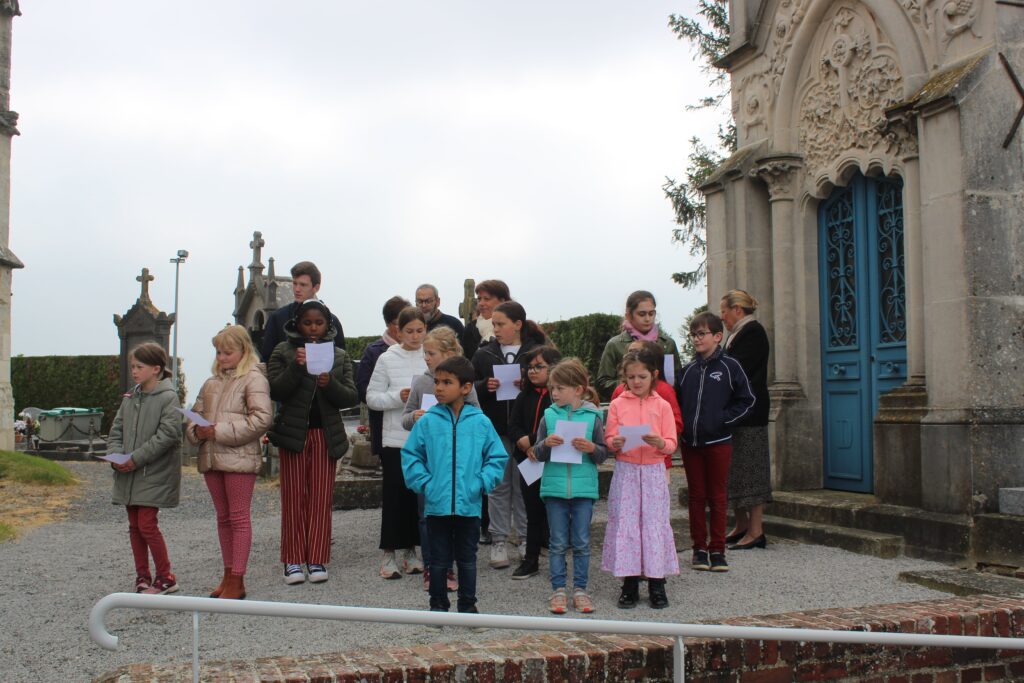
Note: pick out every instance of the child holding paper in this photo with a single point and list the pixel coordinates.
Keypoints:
(235, 402)
(570, 489)
(440, 344)
(453, 456)
(310, 435)
(527, 411)
(664, 389)
(389, 389)
(514, 336)
(638, 540)
(147, 428)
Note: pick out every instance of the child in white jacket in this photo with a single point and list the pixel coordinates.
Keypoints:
(388, 392)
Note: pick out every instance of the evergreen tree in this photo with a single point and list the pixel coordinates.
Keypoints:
(708, 33)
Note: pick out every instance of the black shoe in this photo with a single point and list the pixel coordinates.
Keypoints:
(700, 561)
(718, 563)
(732, 538)
(485, 538)
(527, 568)
(656, 593)
(759, 542)
(630, 594)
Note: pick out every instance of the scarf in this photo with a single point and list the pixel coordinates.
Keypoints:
(650, 335)
(388, 339)
(486, 328)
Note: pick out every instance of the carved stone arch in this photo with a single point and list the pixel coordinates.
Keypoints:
(845, 168)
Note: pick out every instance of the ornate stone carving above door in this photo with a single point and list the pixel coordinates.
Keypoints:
(852, 75)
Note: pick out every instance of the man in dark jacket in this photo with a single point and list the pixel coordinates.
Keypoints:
(429, 303)
(305, 285)
(373, 351)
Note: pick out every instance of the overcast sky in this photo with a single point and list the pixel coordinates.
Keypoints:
(391, 143)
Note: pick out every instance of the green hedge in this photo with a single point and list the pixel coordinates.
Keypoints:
(584, 336)
(77, 381)
(355, 346)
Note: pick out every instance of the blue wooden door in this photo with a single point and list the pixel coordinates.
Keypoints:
(863, 320)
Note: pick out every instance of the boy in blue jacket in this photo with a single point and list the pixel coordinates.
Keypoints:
(714, 395)
(453, 457)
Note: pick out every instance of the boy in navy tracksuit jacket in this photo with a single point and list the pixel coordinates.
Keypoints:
(714, 394)
(453, 457)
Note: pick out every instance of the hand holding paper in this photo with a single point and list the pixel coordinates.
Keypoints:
(531, 470)
(508, 375)
(564, 452)
(195, 417)
(319, 358)
(116, 458)
(634, 435)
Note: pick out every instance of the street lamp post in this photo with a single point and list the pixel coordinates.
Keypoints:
(182, 255)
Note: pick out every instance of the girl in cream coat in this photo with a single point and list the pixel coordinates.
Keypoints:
(236, 403)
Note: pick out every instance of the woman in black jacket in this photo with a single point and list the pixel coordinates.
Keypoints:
(750, 484)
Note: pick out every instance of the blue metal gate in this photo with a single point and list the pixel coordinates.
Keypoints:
(863, 320)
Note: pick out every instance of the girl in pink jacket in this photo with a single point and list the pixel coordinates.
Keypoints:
(638, 540)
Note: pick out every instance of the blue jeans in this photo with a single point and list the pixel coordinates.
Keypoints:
(450, 536)
(569, 522)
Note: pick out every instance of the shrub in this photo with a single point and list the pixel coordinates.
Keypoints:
(355, 346)
(584, 336)
(55, 381)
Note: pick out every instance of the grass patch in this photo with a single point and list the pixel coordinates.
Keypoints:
(31, 469)
(6, 532)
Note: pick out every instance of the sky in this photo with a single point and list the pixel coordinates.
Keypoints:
(391, 143)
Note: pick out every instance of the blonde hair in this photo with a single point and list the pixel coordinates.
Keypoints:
(235, 338)
(738, 297)
(571, 372)
(445, 340)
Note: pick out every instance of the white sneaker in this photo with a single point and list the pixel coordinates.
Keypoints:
(499, 555)
(410, 563)
(317, 573)
(389, 568)
(293, 574)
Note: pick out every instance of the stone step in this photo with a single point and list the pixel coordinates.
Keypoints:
(965, 582)
(854, 540)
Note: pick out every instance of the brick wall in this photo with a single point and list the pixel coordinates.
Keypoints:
(573, 657)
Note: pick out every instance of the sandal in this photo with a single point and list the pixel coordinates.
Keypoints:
(559, 602)
(581, 602)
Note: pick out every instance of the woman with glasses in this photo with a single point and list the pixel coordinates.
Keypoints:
(750, 485)
(639, 323)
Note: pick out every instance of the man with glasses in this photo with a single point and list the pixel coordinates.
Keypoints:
(429, 303)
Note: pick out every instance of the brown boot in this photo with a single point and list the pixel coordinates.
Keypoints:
(223, 582)
(235, 588)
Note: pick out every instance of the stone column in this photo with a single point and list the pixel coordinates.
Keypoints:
(8, 261)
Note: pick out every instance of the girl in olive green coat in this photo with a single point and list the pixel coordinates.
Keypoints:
(148, 429)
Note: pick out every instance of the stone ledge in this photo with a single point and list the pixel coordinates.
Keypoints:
(577, 657)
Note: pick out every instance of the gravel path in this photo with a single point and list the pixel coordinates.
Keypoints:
(52, 577)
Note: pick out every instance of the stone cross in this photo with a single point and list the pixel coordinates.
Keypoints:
(467, 307)
(256, 245)
(145, 278)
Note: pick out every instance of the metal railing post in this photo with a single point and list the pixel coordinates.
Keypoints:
(195, 647)
(679, 660)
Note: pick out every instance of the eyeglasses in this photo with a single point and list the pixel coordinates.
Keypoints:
(424, 302)
(699, 335)
(536, 368)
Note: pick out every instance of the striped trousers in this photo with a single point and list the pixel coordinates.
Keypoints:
(307, 491)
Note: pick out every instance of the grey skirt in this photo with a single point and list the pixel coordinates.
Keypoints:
(750, 476)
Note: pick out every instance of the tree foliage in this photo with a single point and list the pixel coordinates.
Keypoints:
(708, 34)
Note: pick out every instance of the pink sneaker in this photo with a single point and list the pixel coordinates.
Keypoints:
(162, 586)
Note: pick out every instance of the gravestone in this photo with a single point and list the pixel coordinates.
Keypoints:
(263, 294)
(142, 323)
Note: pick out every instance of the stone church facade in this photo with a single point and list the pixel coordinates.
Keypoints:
(875, 206)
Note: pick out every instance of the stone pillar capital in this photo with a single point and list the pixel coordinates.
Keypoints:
(10, 8)
(779, 174)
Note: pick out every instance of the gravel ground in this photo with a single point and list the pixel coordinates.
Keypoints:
(52, 577)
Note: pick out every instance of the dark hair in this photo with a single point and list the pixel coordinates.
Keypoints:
(636, 298)
(653, 348)
(549, 353)
(392, 307)
(313, 305)
(496, 288)
(458, 366)
(645, 358)
(151, 353)
(514, 311)
(708, 320)
(307, 268)
(408, 314)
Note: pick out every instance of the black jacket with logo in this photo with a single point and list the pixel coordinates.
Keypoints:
(714, 396)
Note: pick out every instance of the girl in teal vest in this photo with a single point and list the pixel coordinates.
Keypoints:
(569, 489)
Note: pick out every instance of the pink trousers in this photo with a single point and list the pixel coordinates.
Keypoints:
(232, 497)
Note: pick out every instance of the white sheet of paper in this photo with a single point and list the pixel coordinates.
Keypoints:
(196, 418)
(319, 358)
(568, 431)
(116, 458)
(428, 401)
(507, 375)
(634, 435)
(669, 375)
(531, 470)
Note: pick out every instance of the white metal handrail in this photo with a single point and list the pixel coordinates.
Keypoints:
(98, 628)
